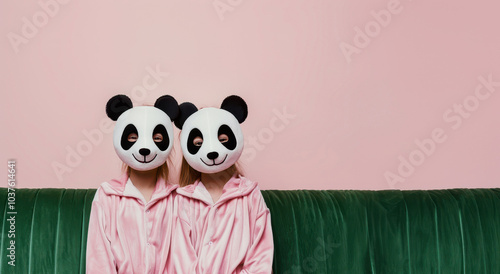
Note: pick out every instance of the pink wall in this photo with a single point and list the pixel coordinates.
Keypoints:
(370, 88)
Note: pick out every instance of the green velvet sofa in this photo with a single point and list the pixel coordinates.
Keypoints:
(331, 231)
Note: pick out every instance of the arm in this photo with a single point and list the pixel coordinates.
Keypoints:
(99, 255)
(259, 257)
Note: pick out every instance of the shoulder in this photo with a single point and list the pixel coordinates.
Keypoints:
(253, 191)
(98, 194)
(105, 191)
(248, 186)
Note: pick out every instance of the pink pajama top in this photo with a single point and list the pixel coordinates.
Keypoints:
(126, 234)
(232, 235)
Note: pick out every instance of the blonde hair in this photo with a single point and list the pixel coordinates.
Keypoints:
(189, 175)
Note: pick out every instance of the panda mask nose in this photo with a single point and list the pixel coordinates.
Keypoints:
(212, 155)
(144, 151)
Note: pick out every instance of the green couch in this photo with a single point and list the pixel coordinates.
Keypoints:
(331, 231)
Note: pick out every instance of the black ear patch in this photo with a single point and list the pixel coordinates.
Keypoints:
(117, 105)
(169, 105)
(185, 110)
(237, 106)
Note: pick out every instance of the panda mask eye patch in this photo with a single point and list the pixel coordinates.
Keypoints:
(165, 142)
(231, 139)
(125, 143)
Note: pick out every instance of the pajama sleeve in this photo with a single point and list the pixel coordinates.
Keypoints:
(99, 255)
(259, 257)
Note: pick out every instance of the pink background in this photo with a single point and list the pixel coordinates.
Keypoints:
(356, 114)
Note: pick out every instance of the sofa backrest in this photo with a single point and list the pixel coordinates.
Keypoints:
(315, 231)
(390, 231)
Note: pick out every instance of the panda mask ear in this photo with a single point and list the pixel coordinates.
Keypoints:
(169, 105)
(236, 106)
(117, 105)
(185, 110)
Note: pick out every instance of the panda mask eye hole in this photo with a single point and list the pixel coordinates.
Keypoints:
(132, 137)
(158, 137)
(198, 141)
(223, 138)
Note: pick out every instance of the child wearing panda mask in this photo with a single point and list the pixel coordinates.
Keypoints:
(131, 217)
(222, 224)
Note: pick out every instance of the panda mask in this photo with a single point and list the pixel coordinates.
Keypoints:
(143, 135)
(211, 138)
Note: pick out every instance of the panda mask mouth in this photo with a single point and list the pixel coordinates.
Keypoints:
(145, 161)
(215, 164)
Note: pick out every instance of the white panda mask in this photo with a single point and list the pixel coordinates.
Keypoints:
(143, 135)
(211, 138)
